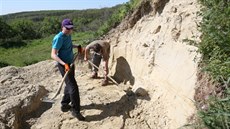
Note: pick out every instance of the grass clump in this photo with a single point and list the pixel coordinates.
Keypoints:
(215, 48)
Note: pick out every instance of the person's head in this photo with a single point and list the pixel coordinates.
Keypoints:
(67, 26)
(97, 48)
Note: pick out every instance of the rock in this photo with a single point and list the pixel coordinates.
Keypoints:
(18, 98)
(140, 91)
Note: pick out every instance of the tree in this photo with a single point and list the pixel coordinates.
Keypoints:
(50, 25)
(25, 29)
(6, 31)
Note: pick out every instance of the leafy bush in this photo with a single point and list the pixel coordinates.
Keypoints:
(50, 25)
(25, 29)
(6, 31)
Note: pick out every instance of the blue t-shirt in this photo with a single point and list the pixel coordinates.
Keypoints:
(63, 44)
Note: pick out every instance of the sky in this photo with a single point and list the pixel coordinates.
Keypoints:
(13, 6)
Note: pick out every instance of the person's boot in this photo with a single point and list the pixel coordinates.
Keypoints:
(105, 82)
(78, 115)
(94, 75)
(65, 108)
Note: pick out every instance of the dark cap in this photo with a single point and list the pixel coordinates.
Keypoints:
(67, 23)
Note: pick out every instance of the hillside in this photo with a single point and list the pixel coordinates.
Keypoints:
(47, 22)
(25, 32)
(39, 16)
(148, 50)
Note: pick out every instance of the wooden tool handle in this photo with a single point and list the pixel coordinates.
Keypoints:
(103, 70)
(63, 79)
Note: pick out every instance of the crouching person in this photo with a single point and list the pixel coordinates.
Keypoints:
(101, 51)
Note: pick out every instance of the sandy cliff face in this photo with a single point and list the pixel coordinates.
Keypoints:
(153, 54)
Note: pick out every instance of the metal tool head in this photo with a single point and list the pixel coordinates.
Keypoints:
(47, 100)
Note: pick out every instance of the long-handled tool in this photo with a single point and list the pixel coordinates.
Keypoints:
(51, 100)
(103, 70)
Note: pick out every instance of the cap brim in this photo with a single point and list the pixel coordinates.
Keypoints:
(69, 26)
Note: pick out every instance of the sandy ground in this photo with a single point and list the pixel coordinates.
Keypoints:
(104, 107)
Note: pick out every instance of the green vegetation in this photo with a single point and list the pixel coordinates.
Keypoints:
(215, 47)
(31, 52)
(25, 38)
(35, 50)
(40, 24)
(117, 16)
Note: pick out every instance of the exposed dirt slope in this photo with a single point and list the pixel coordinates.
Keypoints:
(151, 52)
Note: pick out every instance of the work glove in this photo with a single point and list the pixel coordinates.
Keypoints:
(67, 68)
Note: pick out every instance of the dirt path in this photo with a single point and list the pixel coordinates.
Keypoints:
(104, 107)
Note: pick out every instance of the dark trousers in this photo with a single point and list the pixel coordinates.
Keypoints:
(96, 59)
(71, 92)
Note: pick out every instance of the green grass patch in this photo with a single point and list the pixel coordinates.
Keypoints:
(83, 38)
(36, 50)
(33, 52)
(215, 48)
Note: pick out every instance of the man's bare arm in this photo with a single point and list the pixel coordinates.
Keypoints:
(55, 57)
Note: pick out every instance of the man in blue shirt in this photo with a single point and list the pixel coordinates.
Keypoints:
(62, 52)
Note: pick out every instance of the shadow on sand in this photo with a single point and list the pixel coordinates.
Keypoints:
(26, 120)
(123, 72)
(122, 107)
